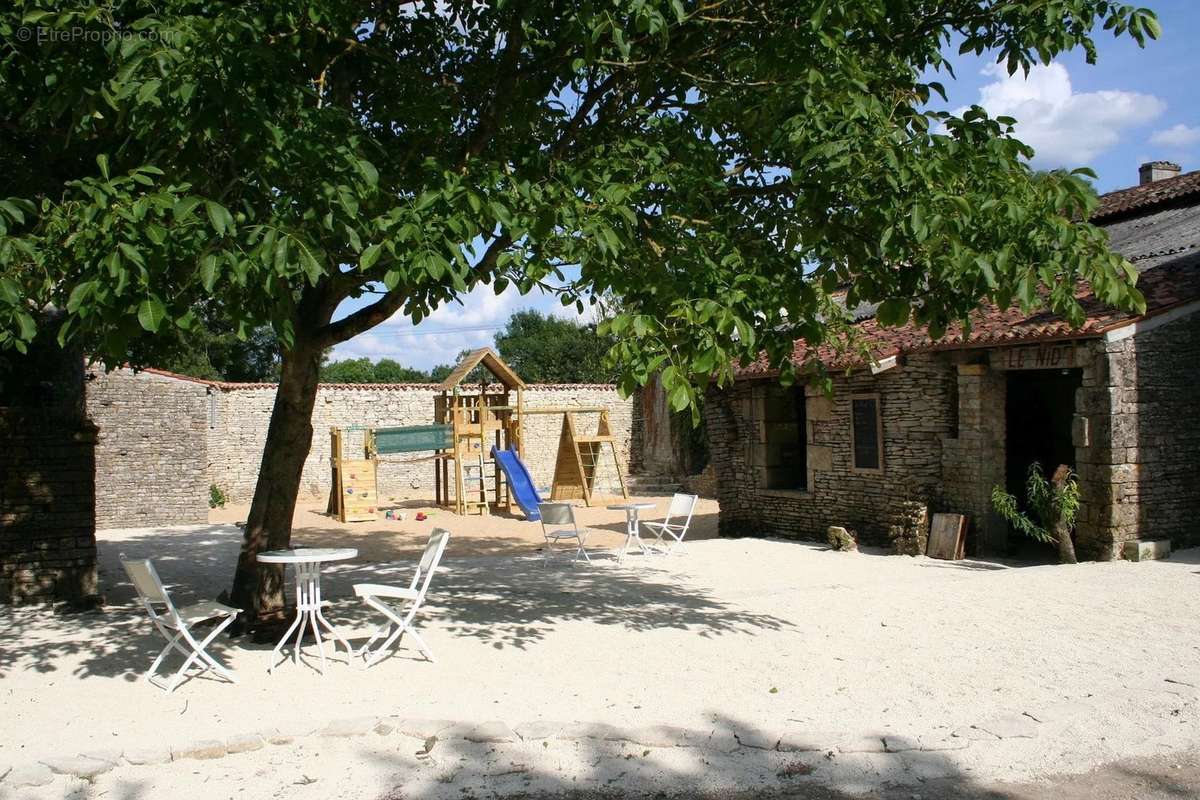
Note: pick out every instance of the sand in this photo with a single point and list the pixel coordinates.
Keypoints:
(496, 534)
(971, 671)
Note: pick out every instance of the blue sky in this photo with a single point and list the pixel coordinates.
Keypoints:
(1132, 106)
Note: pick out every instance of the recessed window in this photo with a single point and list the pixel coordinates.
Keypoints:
(866, 433)
(785, 436)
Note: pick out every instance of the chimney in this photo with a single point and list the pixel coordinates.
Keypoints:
(1153, 171)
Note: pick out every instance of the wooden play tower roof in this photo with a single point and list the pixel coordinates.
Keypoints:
(491, 362)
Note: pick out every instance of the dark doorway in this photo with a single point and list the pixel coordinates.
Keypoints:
(1040, 405)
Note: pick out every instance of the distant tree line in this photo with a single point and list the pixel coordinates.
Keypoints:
(385, 370)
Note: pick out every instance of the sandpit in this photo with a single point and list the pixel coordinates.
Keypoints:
(744, 663)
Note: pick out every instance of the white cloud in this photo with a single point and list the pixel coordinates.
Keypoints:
(1065, 127)
(1177, 136)
(451, 328)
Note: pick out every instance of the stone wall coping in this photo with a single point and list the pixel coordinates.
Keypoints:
(233, 386)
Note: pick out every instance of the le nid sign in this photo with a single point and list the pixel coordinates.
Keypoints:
(1038, 356)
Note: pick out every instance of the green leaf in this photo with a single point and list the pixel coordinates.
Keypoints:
(132, 253)
(208, 271)
(151, 313)
(219, 216)
(28, 328)
(369, 172)
(102, 162)
(893, 312)
(184, 207)
(369, 256)
(78, 295)
(9, 291)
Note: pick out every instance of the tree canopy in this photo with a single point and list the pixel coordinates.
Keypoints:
(385, 370)
(547, 349)
(722, 167)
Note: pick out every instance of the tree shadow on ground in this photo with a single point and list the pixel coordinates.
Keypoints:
(604, 763)
(507, 602)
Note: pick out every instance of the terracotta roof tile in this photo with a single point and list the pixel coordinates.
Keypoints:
(1165, 288)
(1138, 198)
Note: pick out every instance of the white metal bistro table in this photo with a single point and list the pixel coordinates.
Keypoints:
(307, 561)
(631, 525)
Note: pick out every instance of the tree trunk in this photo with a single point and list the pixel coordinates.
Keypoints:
(258, 588)
(1062, 530)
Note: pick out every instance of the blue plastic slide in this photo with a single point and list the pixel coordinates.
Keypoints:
(519, 482)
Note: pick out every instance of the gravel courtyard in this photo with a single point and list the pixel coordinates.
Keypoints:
(745, 664)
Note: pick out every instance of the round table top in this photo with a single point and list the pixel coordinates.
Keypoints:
(304, 555)
(628, 506)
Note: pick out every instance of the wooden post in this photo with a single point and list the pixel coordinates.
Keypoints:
(335, 464)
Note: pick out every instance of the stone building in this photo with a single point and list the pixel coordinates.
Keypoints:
(943, 422)
(47, 446)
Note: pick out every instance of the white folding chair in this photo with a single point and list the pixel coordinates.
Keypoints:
(558, 525)
(377, 596)
(175, 624)
(682, 506)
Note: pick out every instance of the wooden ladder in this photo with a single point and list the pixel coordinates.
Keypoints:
(579, 458)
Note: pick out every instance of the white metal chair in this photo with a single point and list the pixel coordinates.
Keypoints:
(175, 624)
(682, 506)
(379, 597)
(558, 525)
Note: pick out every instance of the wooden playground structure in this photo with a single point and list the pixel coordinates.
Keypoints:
(476, 442)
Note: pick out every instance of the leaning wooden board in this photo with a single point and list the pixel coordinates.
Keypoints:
(947, 537)
(359, 497)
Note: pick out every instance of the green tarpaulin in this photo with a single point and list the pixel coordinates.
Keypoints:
(412, 439)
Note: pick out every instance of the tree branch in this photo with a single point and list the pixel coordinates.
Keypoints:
(364, 318)
(391, 301)
(502, 94)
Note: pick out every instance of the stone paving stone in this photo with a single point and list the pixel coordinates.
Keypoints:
(861, 744)
(587, 730)
(204, 749)
(148, 755)
(539, 729)
(1011, 726)
(665, 736)
(351, 726)
(422, 728)
(935, 743)
(29, 775)
(111, 754)
(285, 735)
(78, 766)
(974, 734)
(756, 740)
(492, 732)
(801, 741)
(900, 744)
(1061, 712)
(244, 743)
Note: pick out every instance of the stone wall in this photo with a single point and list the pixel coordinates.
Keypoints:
(164, 440)
(47, 529)
(239, 431)
(152, 459)
(918, 409)
(1143, 424)
(973, 458)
